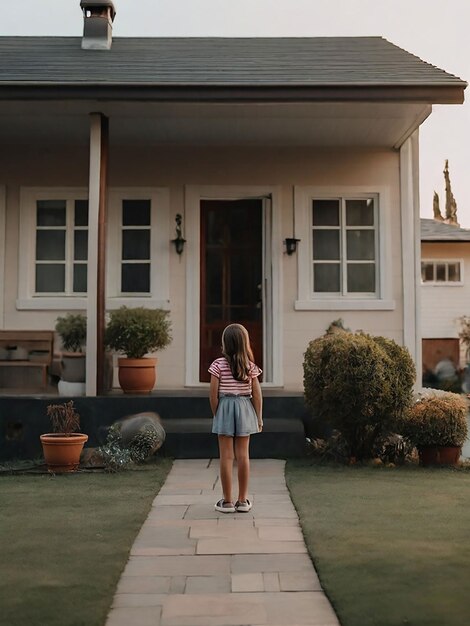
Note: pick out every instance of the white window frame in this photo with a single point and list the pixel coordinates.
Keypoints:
(444, 283)
(307, 300)
(160, 249)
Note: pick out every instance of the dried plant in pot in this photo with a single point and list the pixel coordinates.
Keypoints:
(62, 447)
(136, 332)
(72, 329)
(436, 424)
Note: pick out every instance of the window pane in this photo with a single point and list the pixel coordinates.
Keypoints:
(50, 245)
(326, 212)
(454, 272)
(50, 278)
(440, 272)
(135, 277)
(326, 244)
(361, 278)
(136, 212)
(80, 250)
(81, 212)
(51, 213)
(427, 272)
(361, 245)
(135, 244)
(80, 277)
(360, 212)
(326, 277)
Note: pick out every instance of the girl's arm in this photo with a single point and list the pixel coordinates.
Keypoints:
(257, 401)
(214, 393)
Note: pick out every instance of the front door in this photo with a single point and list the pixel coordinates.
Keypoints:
(231, 275)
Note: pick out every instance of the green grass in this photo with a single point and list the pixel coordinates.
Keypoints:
(391, 546)
(64, 542)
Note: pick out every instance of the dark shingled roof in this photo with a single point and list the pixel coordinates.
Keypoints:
(319, 61)
(433, 230)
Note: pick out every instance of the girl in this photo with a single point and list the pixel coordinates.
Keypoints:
(236, 403)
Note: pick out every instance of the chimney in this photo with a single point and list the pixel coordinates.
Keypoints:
(98, 24)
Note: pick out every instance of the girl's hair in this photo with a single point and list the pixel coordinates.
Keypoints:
(236, 349)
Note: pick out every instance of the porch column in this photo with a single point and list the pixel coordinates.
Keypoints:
(97, 192)
(411, 249)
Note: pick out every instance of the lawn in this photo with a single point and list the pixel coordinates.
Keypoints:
(64, 542)
(391, 546)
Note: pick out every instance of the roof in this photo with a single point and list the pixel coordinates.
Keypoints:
(433, 230)
(319, 62)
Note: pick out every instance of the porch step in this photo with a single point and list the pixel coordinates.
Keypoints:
(191, 438)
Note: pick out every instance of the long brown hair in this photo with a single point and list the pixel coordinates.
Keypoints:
(236, 349)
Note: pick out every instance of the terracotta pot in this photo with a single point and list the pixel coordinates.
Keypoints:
(137, 375)
(62, 452)
(439, 455)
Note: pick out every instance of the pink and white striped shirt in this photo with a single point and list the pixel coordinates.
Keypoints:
(220, 368)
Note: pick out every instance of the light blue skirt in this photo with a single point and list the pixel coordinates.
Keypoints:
(235, 417)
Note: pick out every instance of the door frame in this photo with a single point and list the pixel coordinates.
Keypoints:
(272, 251)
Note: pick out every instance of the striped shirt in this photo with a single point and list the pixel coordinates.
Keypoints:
(227, 383)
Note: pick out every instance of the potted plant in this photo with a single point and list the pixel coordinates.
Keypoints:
(136, 332)
(62, 447)
(72, 330)
(436, 424)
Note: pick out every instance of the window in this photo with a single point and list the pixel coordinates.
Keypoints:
(344, 260)
(344, 246)
(437, 271)
(61, 247)
(135, 246)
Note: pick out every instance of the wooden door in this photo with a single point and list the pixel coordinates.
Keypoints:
(231, 275)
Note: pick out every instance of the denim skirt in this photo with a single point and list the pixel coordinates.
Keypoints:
(235, 416)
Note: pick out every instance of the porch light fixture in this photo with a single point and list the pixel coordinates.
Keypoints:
(291, 245)
(179, 240)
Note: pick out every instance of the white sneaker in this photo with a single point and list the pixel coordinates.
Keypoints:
(224, 507)
(243, 506)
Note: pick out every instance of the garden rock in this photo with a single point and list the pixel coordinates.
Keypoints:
(134, 425)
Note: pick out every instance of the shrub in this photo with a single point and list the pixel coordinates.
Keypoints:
(436, 418)
(72, 331)
(137, 331)
(359, 384)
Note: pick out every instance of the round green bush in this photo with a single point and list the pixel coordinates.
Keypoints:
(437, 418)
(359, 384)
(138, 331)
(72, 331)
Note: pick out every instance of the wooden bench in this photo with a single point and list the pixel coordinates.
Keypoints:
(36, 346)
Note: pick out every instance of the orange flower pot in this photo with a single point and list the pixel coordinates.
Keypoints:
(62, 452)
(137, 375)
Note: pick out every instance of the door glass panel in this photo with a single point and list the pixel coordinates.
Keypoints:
(51, 212)
(50, 245)
(50, 278)
(325, 213)
(80, 249)
(360, 212)
(326, 244)
(326, 277)
(79, 278)
(135, 277)
(361, 278)
(361, 245)
(136, 212)
(81, 212)
(135, 244)
(214, 266)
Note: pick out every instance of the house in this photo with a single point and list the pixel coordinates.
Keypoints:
(445, 290)
(290, 165)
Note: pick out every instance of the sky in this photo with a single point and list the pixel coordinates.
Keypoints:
(436, 31)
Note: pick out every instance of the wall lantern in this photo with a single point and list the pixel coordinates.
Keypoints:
(291, 245)
(179, 240)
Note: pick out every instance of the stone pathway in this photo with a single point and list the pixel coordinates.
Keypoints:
(192, 566)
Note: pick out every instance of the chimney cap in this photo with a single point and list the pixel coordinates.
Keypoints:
(90, 4)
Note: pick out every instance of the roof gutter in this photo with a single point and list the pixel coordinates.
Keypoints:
(442, 94)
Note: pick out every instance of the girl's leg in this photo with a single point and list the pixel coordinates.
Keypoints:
(226, 465)
(243, 463)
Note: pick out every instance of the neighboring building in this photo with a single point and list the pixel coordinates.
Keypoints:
(253, 142)
(445, 292)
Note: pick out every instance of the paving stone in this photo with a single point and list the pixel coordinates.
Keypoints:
(178, 584)
(144, 584)
(204, 511)
(299, 581)
(269, 521)
(137, 616)
(208, 584)
(280, 533)
(249, 546)
(310, 609)
(234, 531)
(271, 581)
(214, 610)
(177, 565)
(139, 599)
(164, 500)
(247, 582)
(167, 512)
(239, 564)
